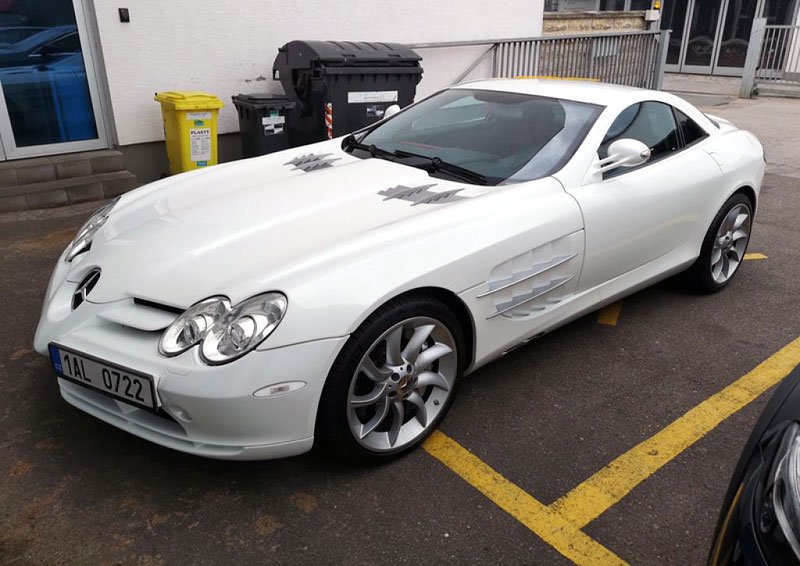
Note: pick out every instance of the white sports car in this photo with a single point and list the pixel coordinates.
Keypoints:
(336, 293)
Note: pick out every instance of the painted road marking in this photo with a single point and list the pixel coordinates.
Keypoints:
(610, 315)
(597, 494)
(755, 255)
(549, 525)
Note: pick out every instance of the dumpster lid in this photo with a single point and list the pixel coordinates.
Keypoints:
(263, 99)
(189, 100)
(304, 54)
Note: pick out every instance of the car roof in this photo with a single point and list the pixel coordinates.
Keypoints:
(580, 90)
(40, 38)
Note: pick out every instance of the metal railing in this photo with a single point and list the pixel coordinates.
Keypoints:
(632, 58)
(773, 58)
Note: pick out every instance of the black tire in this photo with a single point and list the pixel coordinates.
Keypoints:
(332, 430)
(698, 277)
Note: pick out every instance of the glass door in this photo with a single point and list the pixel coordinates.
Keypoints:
(700, 45)
(673, 17)
(735, 36)
(49, 101)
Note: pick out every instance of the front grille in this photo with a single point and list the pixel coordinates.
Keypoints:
(160, 306)
(85, 287)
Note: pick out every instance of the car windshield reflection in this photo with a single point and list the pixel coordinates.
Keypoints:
(502, 136)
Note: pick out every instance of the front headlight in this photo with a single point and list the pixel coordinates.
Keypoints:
(224, 333)
(191, 327)
(786, 488)
(83, 239)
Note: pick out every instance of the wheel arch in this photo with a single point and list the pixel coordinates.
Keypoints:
(451, 301)
(455, 304)
(750, 193)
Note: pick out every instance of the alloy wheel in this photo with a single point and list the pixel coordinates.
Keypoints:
(402, 384)
(730, 243)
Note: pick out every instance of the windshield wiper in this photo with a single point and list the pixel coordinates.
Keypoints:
(437, 165)
(350, 143)
(434, 164)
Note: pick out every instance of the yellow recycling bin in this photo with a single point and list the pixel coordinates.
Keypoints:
(190, 126)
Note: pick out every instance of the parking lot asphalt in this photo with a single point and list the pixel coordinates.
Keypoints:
(74, 490)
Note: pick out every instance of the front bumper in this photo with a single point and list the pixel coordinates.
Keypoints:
(204, 410)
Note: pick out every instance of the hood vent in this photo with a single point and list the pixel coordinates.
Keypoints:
(312, 161)
(421, 194)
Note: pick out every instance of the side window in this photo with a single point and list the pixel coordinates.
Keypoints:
(652, 123)
(64, 45)
(689, 129)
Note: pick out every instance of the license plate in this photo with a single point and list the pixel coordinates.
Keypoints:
(117, 381)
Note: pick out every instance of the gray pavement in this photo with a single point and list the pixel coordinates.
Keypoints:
(776, 121)
(74, 490)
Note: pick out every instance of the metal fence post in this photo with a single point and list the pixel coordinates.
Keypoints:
(751, 61)
(661, 59)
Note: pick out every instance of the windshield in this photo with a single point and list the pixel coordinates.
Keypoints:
(506, 137)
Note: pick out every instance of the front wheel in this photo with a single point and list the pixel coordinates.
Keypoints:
(723, 247)
(393, 382)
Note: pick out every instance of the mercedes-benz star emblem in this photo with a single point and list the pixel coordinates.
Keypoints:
(85, 287)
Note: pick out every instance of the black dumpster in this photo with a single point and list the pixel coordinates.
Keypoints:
(342, 86)
(262, 123)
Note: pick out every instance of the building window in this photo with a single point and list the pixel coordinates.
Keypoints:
(605, 5)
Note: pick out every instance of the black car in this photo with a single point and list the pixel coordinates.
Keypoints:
(760, 520)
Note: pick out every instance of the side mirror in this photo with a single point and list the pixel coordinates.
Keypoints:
(391, 111)
(624, 153)
(47, 51)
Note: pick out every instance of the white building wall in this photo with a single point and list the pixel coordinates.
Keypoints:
(227, 48)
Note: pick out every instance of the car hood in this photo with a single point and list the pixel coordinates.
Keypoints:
(243, 228)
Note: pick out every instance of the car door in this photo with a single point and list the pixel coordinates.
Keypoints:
(636, 215)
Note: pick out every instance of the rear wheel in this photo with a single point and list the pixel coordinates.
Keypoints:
(393, 382)
(723, 247)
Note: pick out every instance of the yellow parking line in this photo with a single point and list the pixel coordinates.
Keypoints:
(594, 496)
(547, 524)
(755, 255)
(610, 315)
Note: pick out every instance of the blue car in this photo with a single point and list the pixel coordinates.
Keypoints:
(45, 46)
(49, 102)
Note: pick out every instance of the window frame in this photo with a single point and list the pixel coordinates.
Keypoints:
(682, 145)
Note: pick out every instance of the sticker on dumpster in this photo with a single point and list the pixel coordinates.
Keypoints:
(375, 111)
(270, 120)
(272, 129)
(200, 144)
(198, 115)
(372, 96)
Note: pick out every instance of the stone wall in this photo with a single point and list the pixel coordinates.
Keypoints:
(576, 23)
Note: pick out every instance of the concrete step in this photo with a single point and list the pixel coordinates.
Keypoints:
(787, 91)
(61, 192)
(63, 179)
